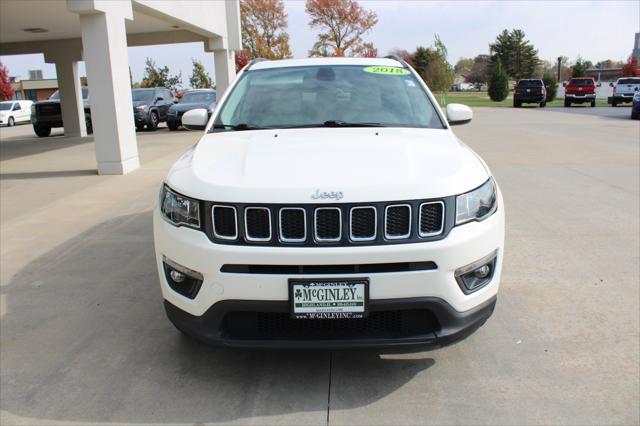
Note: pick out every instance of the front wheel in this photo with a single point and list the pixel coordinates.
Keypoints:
(172, 125)
(593, 103)
(11, 122)
(42, 131)
(614, 104)
(543, 104)
(567, 103)
(153, 121)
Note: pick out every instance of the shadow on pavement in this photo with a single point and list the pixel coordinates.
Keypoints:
(21, 146)
(85, 339)
(51, 174)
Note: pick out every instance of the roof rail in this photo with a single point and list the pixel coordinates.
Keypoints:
(253, 62)
(399, 59)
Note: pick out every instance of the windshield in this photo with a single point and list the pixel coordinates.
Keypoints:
(143, 95)
(198, 98)
(530, 83)
(5, 106)
(314, 96)
(56, 94)
(582, 82)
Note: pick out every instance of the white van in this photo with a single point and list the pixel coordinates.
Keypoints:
(12, 112)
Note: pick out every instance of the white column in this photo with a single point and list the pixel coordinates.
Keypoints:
(70, 98)
(225, 67)
(105, 53)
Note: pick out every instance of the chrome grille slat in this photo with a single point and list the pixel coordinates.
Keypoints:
(221, 222)
(397, 221)
(257, 224)
(290, 226)
(363, 227)
(326, 228)
(431, 218)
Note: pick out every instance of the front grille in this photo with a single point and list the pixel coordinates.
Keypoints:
(293, 225)
(225, 225)
(398, 221)
(363, 224)
(49, 108)
(314, 225)
(431, 218)
(328, 224)
(280, 326)
(257, 222)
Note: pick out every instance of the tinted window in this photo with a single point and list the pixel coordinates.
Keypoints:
(312, 95)
(530, 83)
(629, 81)
(5, 106)
(198, 97)
(582, 82)
(142, 95)
(85, 94)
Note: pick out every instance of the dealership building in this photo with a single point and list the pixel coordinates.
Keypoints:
(98, 32)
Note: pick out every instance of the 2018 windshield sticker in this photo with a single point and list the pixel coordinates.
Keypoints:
(386, 70)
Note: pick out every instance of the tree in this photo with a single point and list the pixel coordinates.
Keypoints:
(264, 29)
(431, 63)
(158, 77)
(498, 80)
(550, 84)
(6, 91)
(479, 72)
(242, 59)
(404, 55)
(342, 23)
(517, 55)
(607, 63)
(369, 51)
(630, 69)
(200, 78)
(579, 69)
(463, 66)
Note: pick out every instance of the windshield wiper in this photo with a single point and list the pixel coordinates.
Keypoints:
(336, 123)
(241, 126)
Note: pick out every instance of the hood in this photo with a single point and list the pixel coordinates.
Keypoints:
(180, 107)
(365, 164)
(139, 103)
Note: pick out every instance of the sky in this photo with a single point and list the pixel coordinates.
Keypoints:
(594, 30)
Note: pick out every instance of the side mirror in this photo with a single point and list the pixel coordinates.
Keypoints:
(159, 98)
(599, 84)
(564, 84)
(175, 101)
(611, 84)
(457, 114)
(196, 119)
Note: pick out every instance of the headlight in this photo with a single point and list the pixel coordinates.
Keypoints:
(141, 107)
(478, 204)
(178, 209)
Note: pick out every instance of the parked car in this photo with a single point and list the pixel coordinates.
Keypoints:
(529, 91)
(150, 106)
(329, 204)
(635, 106)
(192, 99)
(580, 90)
(12, 112)
(47, 114)
(623, 90)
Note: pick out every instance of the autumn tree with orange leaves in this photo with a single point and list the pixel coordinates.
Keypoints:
(6, 91)
(342, 23)
(264, 29)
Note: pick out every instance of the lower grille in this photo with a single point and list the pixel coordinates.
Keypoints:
(280, 326)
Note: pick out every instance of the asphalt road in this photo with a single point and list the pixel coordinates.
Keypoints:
(83, 337)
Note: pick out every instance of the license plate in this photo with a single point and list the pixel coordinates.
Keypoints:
(334, 298)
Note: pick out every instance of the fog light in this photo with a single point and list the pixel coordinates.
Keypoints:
(476, 275)
(182, 280)
(177, 276)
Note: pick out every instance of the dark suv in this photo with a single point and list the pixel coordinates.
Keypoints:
(48, 114)
(529, 91)
(150, 106)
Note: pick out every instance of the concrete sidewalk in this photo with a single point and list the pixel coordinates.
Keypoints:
(84, 339)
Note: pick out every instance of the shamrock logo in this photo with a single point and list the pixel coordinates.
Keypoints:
(298, 294)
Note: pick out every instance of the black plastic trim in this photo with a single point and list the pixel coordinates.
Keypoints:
(372, 268)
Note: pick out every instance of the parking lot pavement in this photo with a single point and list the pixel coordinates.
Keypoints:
(84, 338)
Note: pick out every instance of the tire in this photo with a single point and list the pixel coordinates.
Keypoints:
(517, 104)
(11, 122)
(172, 125)
(153, 121)
(88, 123)
(42, 131)
(140, 127)
(635, 115)
(543, 104)
(567, 103)
(593, 103)
(614, 104)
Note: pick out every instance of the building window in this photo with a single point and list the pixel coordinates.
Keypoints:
(31, 95)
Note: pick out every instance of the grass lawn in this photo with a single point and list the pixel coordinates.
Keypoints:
(481, 99)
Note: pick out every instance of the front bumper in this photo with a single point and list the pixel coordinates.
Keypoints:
(434, 290)
(141, 118)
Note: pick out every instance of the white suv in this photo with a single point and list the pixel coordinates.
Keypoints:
(328, 204)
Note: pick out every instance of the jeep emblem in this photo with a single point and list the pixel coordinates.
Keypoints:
(334, 195)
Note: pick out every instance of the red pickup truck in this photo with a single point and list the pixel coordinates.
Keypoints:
(580, 90)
